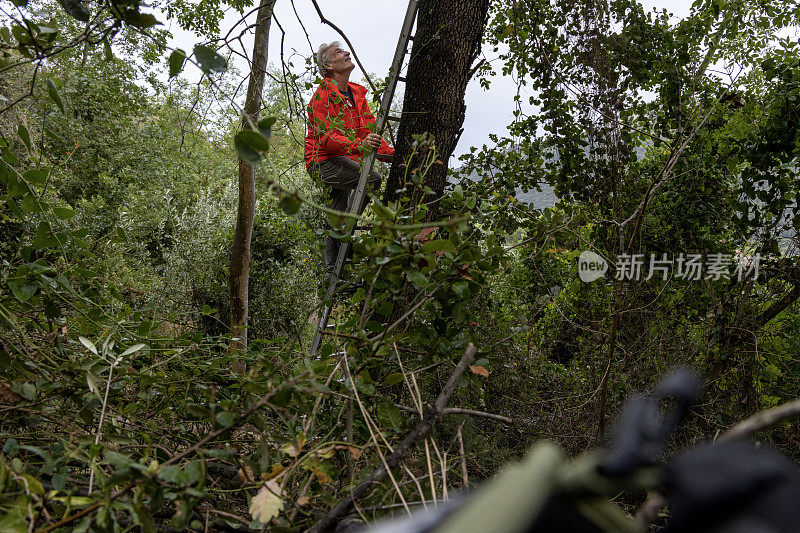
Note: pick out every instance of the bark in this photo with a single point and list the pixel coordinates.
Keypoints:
(445, 46)
(240, 253)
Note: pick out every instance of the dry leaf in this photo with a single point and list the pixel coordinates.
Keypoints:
(322, 477)
(294, 450)
(424, 234)
(267, 504)
(275, 472)
(8, 396)
(463, 271)
(481, 371)
(355, 452)
(246, 475)
(324, 453)
(303, 501)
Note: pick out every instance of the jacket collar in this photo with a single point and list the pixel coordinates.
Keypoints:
(356, 89)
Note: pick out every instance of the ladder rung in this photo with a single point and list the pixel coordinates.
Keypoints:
(393, 118)
(401, 78)
(410, 37)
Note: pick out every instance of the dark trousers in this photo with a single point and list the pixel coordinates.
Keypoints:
(341, 174)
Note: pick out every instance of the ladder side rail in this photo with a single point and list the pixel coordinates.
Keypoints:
(386, 102)
(358, 198)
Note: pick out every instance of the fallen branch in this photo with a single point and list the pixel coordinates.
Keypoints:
(460, 411)
(432, 416)
(761, 421)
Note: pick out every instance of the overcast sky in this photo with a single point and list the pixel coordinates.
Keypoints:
(373, 28)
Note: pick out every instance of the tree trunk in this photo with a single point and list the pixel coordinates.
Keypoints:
(446, 44)
(240, 253)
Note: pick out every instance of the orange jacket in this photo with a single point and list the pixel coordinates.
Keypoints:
(336, 127)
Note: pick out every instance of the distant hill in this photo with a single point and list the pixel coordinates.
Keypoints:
(538, 199)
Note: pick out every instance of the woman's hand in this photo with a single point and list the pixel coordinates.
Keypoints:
(372, 140)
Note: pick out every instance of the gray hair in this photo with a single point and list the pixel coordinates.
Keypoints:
(322, 57)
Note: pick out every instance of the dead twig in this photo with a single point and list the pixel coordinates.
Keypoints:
(460, 411)
(430, 419)
(464, 473)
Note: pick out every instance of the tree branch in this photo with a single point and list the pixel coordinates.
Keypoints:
(460, 411)
(776, 308)
(762, 420)
(432, 416)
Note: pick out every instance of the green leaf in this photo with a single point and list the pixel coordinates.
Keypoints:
(23, 133)
(254, 140)
(245, 152)
(89, 344)
(132, 349)
(59, 481)
(221, 454)
(24, 293)
(417, 278)
(11, 446)
(29, 204)
(382, 211)
(385, 308)
(265, 126)
(198, 410)
(226, 419)
(91, 382)
(290, 203)
(373, 326)
(438, 245)
(117, 460)
(28, 391)
(176, 61)
(53, 93)
(140, 20)
(461, 289)
(64, 213)
(76, 9)
(173, 474)
(389, 415)
(33, 484)
(250, 144)
(209, 60)
(195, 472)
(393, 379)
(16, 187)
(36, 176)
